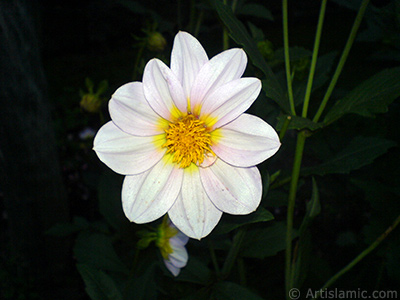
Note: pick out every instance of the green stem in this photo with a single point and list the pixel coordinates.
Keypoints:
(225, 39)
(301, 138)
(314, 58)
(287, 58)
(179, 13)
(234, 3)
(225, 36)
(198, 23)
(233, 252)
(342, 60)
(280, 183)
(284, 127)
(137, 60)
(192, 15)
(361, 255)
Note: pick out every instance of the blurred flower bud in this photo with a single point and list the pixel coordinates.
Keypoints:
(301, 68)
(171, 243)
(156, 42)
(146, 237)
(266, 48)
(91, 101)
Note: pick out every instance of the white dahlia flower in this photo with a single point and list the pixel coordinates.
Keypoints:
(183, 141)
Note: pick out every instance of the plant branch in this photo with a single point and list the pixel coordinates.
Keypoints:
(233, 252)
(361, 255)
(314, 58)
(301, 138)
(287, 57)
(342, 60)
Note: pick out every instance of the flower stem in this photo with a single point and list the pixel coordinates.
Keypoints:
(233, 252)
(287, 58)
(280, 183)
(301, 138)
(234, 3)
(342, 60)
(361, 255)
(198, 23)
(314, 58)
(137, 60)
(225, 36)
(284, 127)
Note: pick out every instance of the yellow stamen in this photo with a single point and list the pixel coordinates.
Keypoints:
(189, 140)
(164, 233)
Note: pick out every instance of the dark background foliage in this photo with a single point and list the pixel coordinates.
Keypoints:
(50, 175)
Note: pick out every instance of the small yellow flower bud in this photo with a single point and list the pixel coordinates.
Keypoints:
(91, 103)
(266, 49)
(156, 42)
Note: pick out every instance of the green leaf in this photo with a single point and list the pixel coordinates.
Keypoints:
(313, 208)
(134, 6)
(195, 271)
(322, 71)
(110, 205)
(65, 229)
(143, 287)
(89, 84)
(303, 257)
(99, 285)
(370, 97)
(200, 294)
(230, 222)
(264, 242)
(103, 86)
(96, 250)
(271, 85)
(393, 261)
(256, 33)
(62, 229)
(298, 123)
(304, 243)
(231, 291)
(360, 152)
(296, 53)
(256, 10)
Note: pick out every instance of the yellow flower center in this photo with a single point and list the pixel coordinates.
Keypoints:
(164, 233)
(188, 140)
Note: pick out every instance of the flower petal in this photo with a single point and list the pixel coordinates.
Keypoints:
(222, 68)
(163, 90)
(193, 212)
(149, 195)
(233, 190)
(179, 239)
(131, 112)
(229, 101)
(246, 141)
(187, 57)
(125, 153)
(174, 270)
(179, 255)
